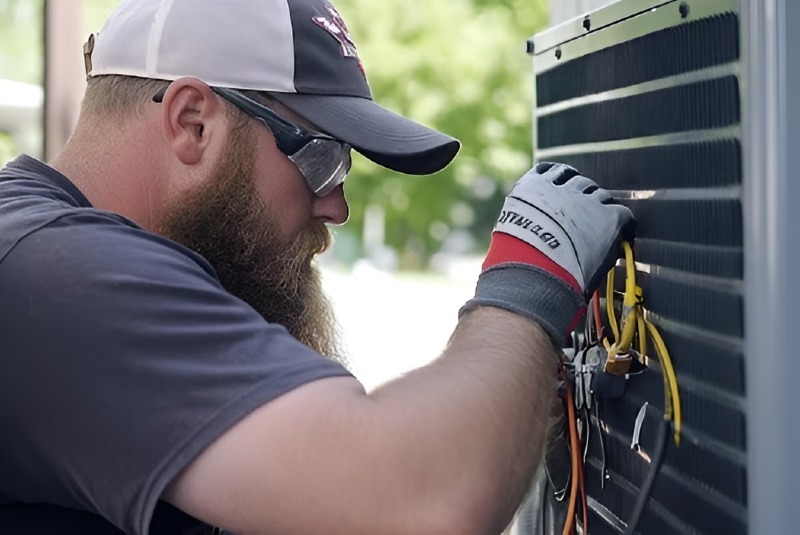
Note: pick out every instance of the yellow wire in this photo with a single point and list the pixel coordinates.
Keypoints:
(642, 331)
(612, 318)
(630, 276)
(669, 374)
(629, 302)
(634, 323)
(622, 342)
(628, 329)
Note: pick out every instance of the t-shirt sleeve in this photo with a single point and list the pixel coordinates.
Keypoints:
(123, 358)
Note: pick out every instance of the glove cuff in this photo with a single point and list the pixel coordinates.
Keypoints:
(531, 292)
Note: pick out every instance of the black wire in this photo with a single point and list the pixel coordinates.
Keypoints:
(647, 486)
(603, 470)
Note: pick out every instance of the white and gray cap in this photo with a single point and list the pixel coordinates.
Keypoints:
(300, 51)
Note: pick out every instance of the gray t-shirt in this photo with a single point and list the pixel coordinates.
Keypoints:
(121, 355)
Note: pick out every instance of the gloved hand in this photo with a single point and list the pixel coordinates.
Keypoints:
(557, 236)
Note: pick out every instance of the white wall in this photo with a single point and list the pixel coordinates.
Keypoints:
(65, 78)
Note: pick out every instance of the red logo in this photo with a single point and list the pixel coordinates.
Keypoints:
(335, 26)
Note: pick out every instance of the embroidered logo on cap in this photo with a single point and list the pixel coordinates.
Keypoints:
(338, 29)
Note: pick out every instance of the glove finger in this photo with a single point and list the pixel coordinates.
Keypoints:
(603, 196)
(557, 173)
(622, 214)
(533, 177)
(608, 262)
(543, 167)
(623, 228)
(582, 184)
(628, 230)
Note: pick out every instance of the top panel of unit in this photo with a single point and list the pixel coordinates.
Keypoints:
(629, 19)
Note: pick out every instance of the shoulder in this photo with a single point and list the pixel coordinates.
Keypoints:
(85, 243)
(46, 220)
(116, 332)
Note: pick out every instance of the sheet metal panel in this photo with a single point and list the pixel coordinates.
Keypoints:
(646, 98)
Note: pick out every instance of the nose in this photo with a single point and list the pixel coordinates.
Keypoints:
(332, 208)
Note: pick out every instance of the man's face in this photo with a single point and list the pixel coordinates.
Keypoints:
(228, 223)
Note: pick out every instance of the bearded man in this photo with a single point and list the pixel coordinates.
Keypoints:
(235, 229)
(165, 343)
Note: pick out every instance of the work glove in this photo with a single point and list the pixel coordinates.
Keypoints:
(557, 236)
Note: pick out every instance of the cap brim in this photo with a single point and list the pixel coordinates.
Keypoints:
(384, 137)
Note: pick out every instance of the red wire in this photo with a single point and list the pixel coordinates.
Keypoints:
(598, 325)
(575, 454)
(581, 476)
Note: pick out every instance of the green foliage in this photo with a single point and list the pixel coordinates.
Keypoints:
(21, 40)
(21, 35)
(458, 66)
(8, 148)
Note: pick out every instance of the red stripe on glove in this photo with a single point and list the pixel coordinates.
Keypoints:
(506, 248)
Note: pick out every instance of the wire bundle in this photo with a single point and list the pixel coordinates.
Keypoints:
(632, 329)
(578, 483)
(636, 327)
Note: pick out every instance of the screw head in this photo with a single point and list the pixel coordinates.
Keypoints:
(558, 53)
(683, 9)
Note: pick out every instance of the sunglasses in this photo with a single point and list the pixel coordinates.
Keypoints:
(322, 160)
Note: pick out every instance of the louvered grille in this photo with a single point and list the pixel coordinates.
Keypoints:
(698, 106)
(656, 118)
(689, 47)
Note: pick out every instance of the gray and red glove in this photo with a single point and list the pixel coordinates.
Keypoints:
(557, 236)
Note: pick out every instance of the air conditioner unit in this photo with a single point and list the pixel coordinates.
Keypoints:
(690, 112)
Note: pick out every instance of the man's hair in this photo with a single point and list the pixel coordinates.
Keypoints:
(119, 96)
(125, 96)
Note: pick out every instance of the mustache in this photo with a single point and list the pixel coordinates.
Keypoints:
(319, 237)
(291, 266)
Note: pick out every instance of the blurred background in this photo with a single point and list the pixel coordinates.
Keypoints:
(409, 256)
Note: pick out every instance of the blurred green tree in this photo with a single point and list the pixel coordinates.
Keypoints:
(21, 57)
(459, 66)
(21, 43)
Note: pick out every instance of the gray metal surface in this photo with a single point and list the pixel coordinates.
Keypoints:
(598, 18)
(772, 261)
(704, 483)
(630, 19)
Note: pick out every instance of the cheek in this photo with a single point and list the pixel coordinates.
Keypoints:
(284, 190)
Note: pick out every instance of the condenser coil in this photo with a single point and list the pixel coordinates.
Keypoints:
(646, 97)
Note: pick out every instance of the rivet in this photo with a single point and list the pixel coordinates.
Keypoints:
(558, 53)
(684, 9)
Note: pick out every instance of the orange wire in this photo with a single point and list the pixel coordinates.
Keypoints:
(575, 453)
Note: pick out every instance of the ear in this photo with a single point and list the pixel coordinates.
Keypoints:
(191, 112)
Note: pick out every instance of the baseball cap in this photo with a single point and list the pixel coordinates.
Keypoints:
(299, 51)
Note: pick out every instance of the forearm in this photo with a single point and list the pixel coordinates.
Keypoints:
(450, 447)
(474, 421)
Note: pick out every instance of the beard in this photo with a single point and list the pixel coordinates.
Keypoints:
(227, 222)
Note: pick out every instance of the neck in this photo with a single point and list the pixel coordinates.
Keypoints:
(118, 171)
